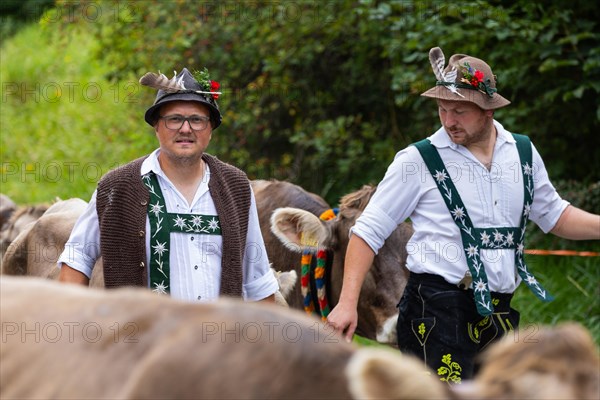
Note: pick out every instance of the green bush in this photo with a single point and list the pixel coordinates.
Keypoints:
(324, 93)
(579, 194)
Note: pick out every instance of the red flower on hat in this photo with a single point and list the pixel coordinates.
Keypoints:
(214, 86)
(472, 76)
(477, 77)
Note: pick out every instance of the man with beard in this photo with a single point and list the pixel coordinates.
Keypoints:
(469, 190)
(178, 221)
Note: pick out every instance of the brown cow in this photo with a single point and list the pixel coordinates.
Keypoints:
(271, 195)
(385, 282)
(559, 362)
(19, 220)
(36, 249)
(65, 341)
(7, 208)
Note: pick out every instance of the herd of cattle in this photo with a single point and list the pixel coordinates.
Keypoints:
(33, 237)
(75, 342)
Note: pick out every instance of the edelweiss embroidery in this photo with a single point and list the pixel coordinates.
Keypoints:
(476, 239)
(162, 224)
(189, 223)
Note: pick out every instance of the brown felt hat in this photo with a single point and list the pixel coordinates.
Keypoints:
(465, 78)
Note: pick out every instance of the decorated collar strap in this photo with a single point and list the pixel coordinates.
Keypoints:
(476, 239)
(162, 224)
(319, 275)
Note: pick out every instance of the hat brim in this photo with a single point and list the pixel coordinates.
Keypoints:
(152, 113)
(474, 96)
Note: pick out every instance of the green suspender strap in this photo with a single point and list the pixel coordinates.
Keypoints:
(524, 149)
(476, 239)
(162, 224)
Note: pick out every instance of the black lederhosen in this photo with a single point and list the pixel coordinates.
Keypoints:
(439, 323)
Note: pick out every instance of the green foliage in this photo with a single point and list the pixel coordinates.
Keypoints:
(15, 14)
(584, 196)
(324, 93)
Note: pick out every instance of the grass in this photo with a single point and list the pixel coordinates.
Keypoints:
(63, 124)
(574, 283)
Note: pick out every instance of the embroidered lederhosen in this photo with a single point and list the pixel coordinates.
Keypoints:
(162, 224)
(476, 239)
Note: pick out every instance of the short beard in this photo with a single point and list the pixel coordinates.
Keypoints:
(484, 133)
(184, 161)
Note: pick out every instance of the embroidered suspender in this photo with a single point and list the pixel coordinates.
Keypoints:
(162, 224)
(476, 239)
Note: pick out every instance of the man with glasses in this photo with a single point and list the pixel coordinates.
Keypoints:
(178, 221)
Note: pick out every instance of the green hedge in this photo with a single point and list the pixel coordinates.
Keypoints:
(320, 93)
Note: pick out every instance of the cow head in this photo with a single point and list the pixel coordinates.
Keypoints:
(385, 281)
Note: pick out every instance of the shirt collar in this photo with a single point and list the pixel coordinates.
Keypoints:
(440, 138)
(151, 164)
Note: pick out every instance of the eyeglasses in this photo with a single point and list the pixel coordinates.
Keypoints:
(175, 122)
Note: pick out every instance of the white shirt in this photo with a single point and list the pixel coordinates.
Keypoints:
(492, 198)
(195, 259)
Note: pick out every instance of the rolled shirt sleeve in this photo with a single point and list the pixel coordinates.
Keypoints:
(259, 280)
(82, 250)
(547, 205)
(394, 200)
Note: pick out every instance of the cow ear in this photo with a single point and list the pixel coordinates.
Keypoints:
(375, 373)
(287, 281)
(298, 229)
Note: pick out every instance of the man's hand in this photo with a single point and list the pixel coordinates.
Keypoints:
(359, 258)
(343, 319)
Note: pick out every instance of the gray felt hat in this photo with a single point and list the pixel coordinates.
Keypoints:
(183, 87)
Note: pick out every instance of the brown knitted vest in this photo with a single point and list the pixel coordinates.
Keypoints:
(122, 201)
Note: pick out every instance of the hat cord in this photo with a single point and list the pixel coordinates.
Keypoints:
(487, 89)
